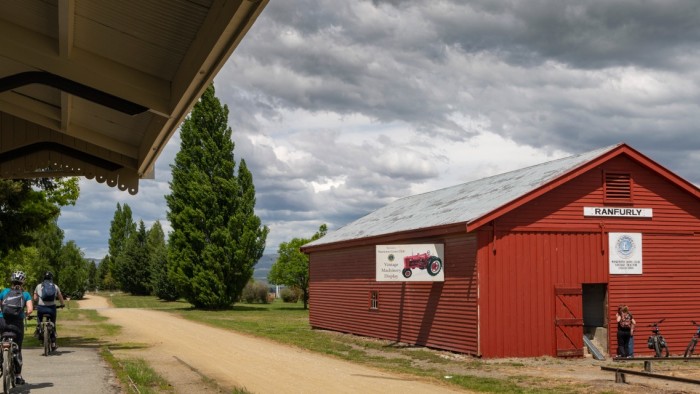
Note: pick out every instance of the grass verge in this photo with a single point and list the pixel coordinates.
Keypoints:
(136, 375)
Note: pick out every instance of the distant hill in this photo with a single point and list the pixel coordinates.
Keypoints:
(259, 273)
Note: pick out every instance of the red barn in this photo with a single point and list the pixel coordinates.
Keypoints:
(523, 263)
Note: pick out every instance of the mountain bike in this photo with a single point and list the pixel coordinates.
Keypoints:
(656, 341)
(693, 341)
(46, 330)
(8, 356)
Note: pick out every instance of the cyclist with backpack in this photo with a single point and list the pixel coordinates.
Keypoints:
(13, 301)
(45, 295)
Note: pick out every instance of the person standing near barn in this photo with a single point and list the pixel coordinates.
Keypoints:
(45, 295)
(14, 300)
(625, 331)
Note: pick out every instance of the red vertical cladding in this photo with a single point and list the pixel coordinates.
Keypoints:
(667, 289)
(435, 314)
(518, 273)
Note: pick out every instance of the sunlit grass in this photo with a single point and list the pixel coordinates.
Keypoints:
(136, 375)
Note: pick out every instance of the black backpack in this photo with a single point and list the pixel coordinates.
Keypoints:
(13, 303)
(48, 291)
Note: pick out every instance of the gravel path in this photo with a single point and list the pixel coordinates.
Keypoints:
(184, 352)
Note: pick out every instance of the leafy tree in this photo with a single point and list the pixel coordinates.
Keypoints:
(162, 286)
(26, 205)
(120, 231)
(132, 269)
(216, 238)
(105, 279)
(20, 259)
(292, 266)
(49, 242)
(92, 275)
(74, 275)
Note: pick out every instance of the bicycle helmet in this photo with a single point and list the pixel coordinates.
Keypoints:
(48, 275)
(18, 277)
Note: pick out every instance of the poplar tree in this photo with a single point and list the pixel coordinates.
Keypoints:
(161, 285)
(216, 238)
(132, 265)
(120, 230)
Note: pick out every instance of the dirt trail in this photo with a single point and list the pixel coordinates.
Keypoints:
(182, 350)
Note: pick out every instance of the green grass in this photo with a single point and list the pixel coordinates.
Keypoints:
(136, 375)
(289, 324)
(121, 300)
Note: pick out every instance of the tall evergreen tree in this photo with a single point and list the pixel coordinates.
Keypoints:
(132, 266)
(161, 285)
(92, 275)
(216, 238)
(120, 230)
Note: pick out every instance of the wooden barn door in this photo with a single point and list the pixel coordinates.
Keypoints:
(568, 320)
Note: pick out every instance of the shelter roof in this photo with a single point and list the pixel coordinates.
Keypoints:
(97, 88)
(478, 202)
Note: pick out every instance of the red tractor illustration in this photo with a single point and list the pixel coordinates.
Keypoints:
(423, 261)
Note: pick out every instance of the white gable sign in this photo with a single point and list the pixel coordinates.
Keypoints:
(618, 212)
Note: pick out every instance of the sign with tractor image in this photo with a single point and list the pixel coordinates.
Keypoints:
(410, 263)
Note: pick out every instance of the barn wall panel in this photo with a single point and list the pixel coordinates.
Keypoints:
(435, 314)
(668, 289)
(517, 276)
(549, 241)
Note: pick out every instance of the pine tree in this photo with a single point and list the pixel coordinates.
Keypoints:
(216, 238)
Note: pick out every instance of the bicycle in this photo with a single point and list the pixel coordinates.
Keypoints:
(693, 341)
(656, 341)
(8, 356)
(46, 329)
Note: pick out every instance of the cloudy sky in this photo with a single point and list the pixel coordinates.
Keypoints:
(340, 107)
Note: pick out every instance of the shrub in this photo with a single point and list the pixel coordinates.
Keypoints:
(255, 292)
(289, 295)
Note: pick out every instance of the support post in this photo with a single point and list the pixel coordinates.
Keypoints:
(620, 377)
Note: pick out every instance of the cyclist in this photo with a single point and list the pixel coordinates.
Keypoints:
(17, 280)
(46, 305)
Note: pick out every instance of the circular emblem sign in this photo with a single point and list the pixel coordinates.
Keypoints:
(391, 257)
(625, 246)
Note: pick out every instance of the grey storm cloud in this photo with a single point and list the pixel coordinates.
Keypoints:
(569, 75)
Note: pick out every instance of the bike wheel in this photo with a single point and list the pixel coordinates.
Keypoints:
(664, 350)
(8, 378)
(47, 338)
(691, 348)
(657, 347)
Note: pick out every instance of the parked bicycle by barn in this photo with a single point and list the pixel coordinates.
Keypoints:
(693, 341)
(656, 341)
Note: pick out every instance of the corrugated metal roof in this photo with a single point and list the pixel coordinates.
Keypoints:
(457, 204)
